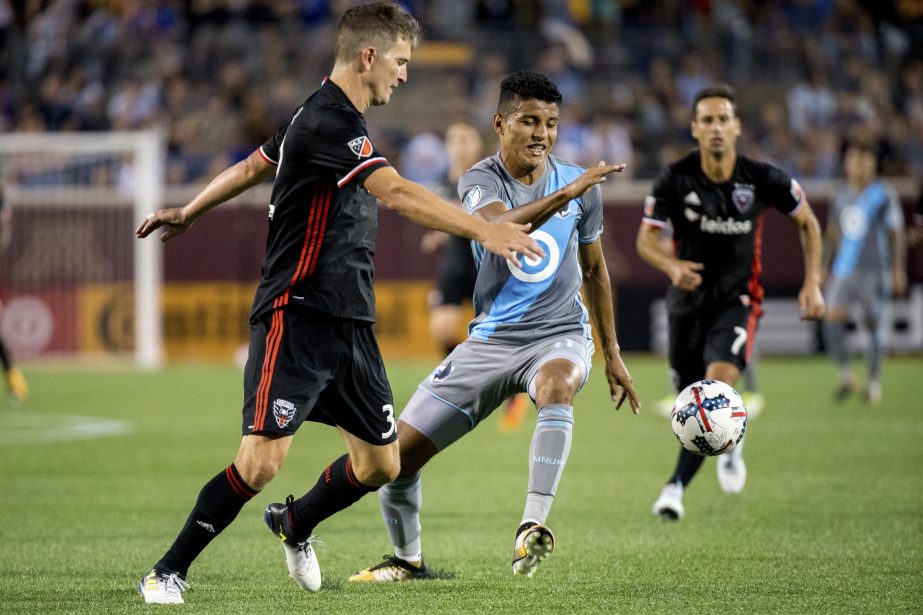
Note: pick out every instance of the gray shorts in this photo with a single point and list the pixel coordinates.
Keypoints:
(871, 291)
(477, 376)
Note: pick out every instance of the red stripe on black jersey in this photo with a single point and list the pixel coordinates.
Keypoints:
(267, 158)
(358, 168)
(317, 235)
(306, 243)
(319, 240)
(754, 287)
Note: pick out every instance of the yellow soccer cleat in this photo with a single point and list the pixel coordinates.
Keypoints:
(533, 544)
(392, 569)
(17, 387)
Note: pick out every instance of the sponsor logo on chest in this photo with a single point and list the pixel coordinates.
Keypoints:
(725, 226)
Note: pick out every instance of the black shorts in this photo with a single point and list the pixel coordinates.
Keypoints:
(305, 365)
(697, 339)
(457, 273)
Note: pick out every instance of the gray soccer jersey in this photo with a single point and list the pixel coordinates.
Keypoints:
(865, 219)
(518, 306)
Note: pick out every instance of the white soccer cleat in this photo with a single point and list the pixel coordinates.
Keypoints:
(732, 471)
(533, 544)
(299, 555)
(162, 587)
(669, 506)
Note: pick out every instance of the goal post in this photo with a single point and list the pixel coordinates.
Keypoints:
(75, 280)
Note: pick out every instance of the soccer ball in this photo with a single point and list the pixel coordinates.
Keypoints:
(709, 418)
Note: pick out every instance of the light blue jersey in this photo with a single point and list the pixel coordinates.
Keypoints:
(518, 306)
(865, 221)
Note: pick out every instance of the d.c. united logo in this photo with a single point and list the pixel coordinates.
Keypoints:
(361, 147)
(743, 197)
(284, 411)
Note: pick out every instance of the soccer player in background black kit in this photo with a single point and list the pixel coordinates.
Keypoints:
(715, 201)
(313, 355)
(16, 388)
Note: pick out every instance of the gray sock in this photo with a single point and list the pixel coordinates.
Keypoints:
(876, 354)
(750, 383)
(547, 457)
(400, 502)
(835, 338)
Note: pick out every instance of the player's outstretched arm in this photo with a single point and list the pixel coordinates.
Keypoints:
(538, 212)
(810, 298)
(598, 291)
(419, 205)
(226, 185)
(683, 274)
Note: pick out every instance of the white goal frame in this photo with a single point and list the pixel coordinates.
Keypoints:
(147, 149)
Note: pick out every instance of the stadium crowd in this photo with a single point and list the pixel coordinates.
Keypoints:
(219, 76)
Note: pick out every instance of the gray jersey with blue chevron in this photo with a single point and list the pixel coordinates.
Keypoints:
(865, 219)
(518, 306)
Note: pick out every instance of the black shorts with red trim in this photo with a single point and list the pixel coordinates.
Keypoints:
(304, 365)
(702, 337)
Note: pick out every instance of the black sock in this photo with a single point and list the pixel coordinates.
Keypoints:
(336, 489)
(686, 467)
(219, 502)
(4, 357)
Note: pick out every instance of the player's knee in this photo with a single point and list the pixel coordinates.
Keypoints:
(258, 472)
(376, 473)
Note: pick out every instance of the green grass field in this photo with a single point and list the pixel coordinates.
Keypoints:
(831, 519)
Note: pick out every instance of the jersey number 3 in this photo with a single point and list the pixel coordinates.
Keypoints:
(388, 409)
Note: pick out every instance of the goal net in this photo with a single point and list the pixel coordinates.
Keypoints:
(73, 279)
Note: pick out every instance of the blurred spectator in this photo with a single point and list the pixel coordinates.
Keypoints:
(229, 72)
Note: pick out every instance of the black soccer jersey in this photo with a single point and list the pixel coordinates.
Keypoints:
(322, 222)
(719, 225)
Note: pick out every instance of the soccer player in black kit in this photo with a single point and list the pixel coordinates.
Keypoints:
(313, 355)
(715, 200)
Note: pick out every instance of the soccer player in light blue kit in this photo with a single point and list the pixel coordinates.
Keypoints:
(865, 255)
(531, 332)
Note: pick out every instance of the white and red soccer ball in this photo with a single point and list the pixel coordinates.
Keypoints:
(709, 418)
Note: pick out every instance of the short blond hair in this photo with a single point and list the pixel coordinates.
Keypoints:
(378, 25)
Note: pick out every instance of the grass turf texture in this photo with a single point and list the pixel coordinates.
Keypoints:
(831, 519)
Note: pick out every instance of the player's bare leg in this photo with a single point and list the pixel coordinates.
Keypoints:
(556, 384)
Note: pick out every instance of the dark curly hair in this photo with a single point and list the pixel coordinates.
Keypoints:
(526, 85)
